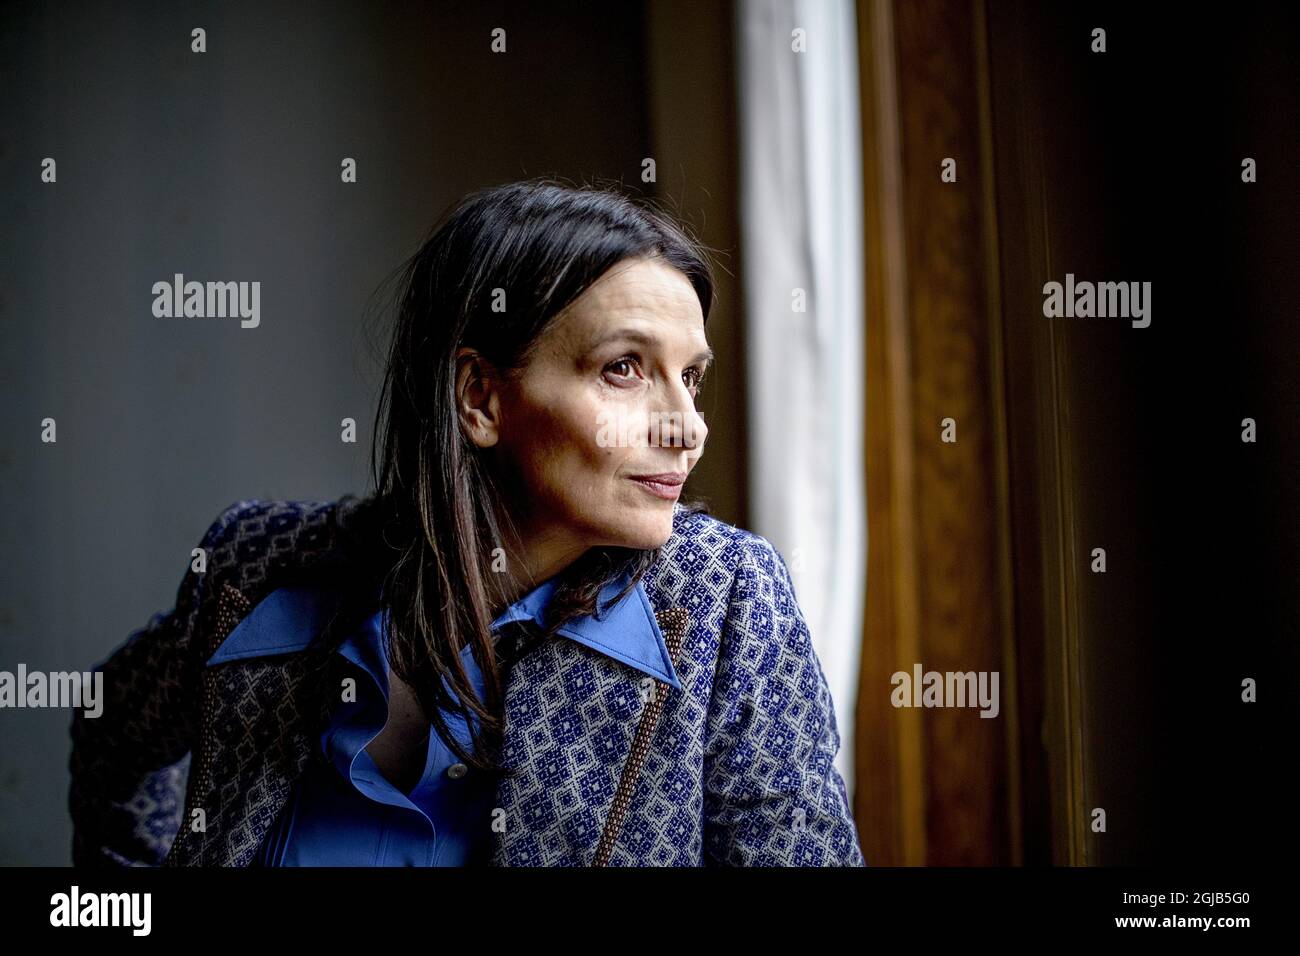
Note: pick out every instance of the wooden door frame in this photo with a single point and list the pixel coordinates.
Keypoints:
(1024, 463)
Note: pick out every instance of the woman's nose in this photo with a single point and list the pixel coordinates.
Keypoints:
(680, 425)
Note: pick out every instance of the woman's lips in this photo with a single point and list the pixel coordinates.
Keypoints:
(660, 489)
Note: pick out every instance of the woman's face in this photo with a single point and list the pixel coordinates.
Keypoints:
(607, 397)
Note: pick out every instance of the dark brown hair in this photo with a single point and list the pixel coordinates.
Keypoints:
(432, 517)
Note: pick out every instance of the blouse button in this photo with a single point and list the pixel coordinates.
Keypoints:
(456, 771)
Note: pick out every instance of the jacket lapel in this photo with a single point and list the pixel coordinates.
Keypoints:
(577, 727)
(261, 717)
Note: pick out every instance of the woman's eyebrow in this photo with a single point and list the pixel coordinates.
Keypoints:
(650, 341)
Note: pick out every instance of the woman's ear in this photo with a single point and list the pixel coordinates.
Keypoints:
(478, 397)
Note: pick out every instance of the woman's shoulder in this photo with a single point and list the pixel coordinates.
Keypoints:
(287, 521)
(255, 541)
(700, 536)
(707, 561)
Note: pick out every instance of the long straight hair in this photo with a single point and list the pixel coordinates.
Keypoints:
(432, 518)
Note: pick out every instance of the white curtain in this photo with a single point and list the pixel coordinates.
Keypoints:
(801, 220)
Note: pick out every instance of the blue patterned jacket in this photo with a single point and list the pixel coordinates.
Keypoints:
(734, 768)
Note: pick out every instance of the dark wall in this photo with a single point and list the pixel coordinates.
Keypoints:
(226, 166)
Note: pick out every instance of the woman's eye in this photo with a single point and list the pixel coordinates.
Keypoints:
(627, 367)
(616, 367)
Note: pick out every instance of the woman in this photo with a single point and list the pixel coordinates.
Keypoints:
(522, 649)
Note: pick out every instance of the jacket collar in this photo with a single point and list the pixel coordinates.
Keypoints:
(289, 618)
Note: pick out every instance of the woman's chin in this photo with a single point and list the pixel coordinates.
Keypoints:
(654, 531)
(642, 529)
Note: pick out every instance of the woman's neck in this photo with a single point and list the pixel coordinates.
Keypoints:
(535, 558)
